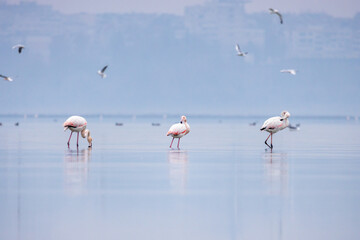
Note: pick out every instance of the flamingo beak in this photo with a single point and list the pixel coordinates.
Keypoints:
(181, 122)
(281, 119)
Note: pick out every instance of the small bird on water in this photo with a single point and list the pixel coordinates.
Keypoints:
(77, 124)
(179, 130)
(275, 124)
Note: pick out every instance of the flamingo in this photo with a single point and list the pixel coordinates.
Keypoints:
(102, 72)
(77, 124)
(275, 124)
(19, 47)
(275, 11)
(179, 130)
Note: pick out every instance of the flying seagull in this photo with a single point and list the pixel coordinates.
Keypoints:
(19, 47)
(275, 11)
(102, 72)
(291, 71)
(6, 78)
(239, 52)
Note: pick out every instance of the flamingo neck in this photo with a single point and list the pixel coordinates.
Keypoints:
(85, 133)
(286, 122)
(187, 127)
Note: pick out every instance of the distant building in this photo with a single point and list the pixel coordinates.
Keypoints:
(312, 36)
(321, 41)
(224, 21)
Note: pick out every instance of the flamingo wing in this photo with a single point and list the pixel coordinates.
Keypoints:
(176, 129)
(75, 121)
(271, 123)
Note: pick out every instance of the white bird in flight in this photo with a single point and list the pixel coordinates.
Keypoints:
(291, 71)
(179, 130)
(6, 78)
(77, 124)
(275, 11)
(102, 72)
(275, 124)
(19, 47)
(239, 52)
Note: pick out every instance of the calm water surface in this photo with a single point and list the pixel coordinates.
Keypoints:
(222, 184)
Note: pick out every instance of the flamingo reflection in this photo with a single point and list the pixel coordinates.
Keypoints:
(178, 170)
(276, 172)
(76, 170)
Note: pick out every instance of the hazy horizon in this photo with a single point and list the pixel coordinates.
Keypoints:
(179, 64)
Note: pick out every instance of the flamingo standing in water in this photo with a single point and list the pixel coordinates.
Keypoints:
(275, 124)
(179, 130)
(77, 124)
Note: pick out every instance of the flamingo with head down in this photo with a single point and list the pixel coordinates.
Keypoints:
(77, 124)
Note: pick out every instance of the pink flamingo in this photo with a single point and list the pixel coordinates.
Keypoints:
(275, 124)
(179, 130)
(77, 124)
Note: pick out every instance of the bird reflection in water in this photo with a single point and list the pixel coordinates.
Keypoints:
(277, 175)
(76, 170)
(178, 161)
(276, 172)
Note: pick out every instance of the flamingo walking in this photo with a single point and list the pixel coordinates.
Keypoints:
(179, 130)
(275, 124)
(77, 124)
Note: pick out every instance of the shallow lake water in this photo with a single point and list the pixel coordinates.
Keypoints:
(222, 184)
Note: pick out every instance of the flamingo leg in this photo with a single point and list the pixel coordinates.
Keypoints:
(171, 142)
(69, 139)
(77, 143)
(178, 143)
(271, 141)
(267, 139)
